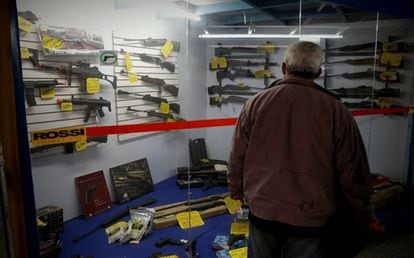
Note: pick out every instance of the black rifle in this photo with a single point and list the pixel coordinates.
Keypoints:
(357, 47)
(28, 15)
(232, 74)
(82, 70)
(237, 89)
(30, 86)
(93, 105)
(160, 83)
(360, 61)
(243, 63)
(366, 91)
(156, 114)
(390, 76)
(222, 51)
(150, 42)
(153, 60)
(218, 101)
(69, 147)
(112, 219)
(362, 104)
(353, 53)
(175, 107)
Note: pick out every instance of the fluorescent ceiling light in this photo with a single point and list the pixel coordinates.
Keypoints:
(268, 36)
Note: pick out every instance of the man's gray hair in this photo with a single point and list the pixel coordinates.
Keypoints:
(303, 57)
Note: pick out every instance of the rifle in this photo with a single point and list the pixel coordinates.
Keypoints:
(353, 53)
(30, 86)
(222, 51)
(360, 61)
(218, 101)
(384, 46)
(153, 60)
(366, 91)
(362, 104)
(150, 42)
(69, 147)
(231, 62)
(162, 85)
(237, 89)
(80, 69)
(175, 107)
(237, 73)
(93, 105)
(357, 47)
(390, 76)
(155, 114)
(111, 220)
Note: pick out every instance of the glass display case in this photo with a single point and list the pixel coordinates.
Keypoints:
(133, 104)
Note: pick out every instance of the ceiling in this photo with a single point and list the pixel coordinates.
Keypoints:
(278, 12)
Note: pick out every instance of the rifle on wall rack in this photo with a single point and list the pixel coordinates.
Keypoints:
(152, 60)
(366, 91)
(175, 107)
(30, 86)
(232, 63)
(92, 105)
(150, 42)
(236, 89)
(82, 70)
(154, 113)
(382, 47)
(385, 76)
(233, 73)
(162, 85)
(218, 100)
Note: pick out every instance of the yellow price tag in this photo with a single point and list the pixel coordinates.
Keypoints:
(66, 106)
(167, 49)
(24, 24)
(47, 93)
(218, 62)
(204, 160)
(389, 47)
(388, 76)
(411, 110)
(128, 62)
(184, 219)
(24, 53)
(92, 85)
(81, 146)
(40, 223)
(50, 42)
(262, 74)
(268, 47)
(164, 108)
(170, 256)
(240, 228)
(132, 77)
(385, 102)
(232, 205)
(391, 59)
(238, 253)
(169, 120)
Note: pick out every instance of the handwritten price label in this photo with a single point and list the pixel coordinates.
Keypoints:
(24, 52)
(240, 228)
(269, 48)
(218, 62)
(81, 146)
(184, 219)
(24, 24)
(66, 106)
(128, 62)
(232, 205)
(47, 93)
(167, 49)
(238, 253)
(164, 108)
(50, 42)
(92, 85)
(262, 74)
(391, 59)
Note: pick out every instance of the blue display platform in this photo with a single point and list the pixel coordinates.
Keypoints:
(165, 192)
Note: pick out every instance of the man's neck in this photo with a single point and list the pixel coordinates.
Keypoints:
(293, 76)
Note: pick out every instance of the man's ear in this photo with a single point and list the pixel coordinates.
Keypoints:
(284, 68)
(319, 73)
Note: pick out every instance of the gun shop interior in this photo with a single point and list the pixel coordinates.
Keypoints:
(120, 120)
